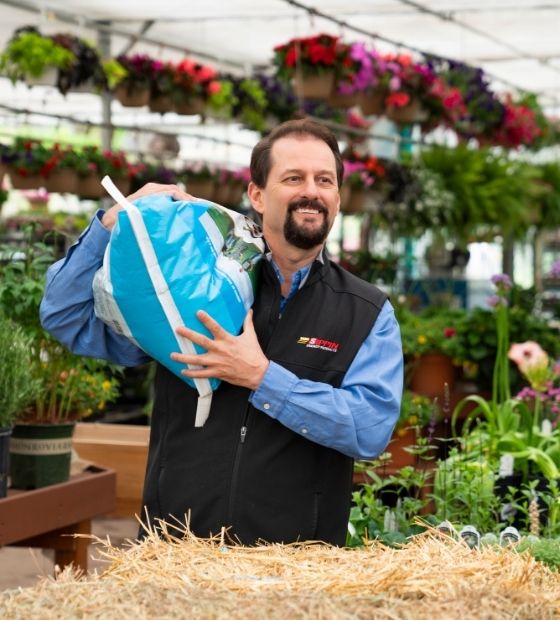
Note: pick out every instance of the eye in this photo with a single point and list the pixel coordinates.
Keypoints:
(293, 178)
(325, 181)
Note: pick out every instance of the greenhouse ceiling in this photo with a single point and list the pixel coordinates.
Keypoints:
(514, 41)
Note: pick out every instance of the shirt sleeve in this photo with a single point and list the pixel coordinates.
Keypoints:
(67, 306)
(356, 419)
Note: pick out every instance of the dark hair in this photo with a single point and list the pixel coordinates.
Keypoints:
(260, 157)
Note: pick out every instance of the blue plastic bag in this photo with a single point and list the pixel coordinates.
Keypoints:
(166, 260)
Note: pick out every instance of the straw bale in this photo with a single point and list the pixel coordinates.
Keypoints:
(431, 578)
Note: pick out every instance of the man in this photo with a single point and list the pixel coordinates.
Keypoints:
(313, 381)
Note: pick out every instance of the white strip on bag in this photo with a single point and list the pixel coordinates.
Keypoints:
(166, 260)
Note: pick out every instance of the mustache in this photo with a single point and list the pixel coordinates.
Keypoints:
(307, 202)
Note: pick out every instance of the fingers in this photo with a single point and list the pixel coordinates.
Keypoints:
(212, 326)
(160, 188)
(248, 322)
(195, 337)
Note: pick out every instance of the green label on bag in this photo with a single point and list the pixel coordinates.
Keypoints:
(40, 446)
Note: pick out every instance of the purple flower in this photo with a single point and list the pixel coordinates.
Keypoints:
(554, 270)
(496, 300)
(501, 281)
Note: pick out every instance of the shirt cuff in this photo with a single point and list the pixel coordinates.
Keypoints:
(96, 236)
(274, 390)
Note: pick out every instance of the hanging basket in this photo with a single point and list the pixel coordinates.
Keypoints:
(352, 200)
(123, 185)
(340, 100)
(405, 115)
(89, 187)
(194, 106)
(40, 454)
(63, 181)
(161, 104)
(314, 86)
(5, 434)
(132, 98)
(32, 181)
(372, 101)
(48, 78)
(221, 194)
(236, 191)
(201, 188)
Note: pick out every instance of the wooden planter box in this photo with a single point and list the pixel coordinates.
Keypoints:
(122, 448)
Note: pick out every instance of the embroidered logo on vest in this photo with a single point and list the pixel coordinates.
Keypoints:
(318, 343)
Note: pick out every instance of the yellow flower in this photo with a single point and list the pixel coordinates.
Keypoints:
(413, 419)
(422, 339)
(106, 385)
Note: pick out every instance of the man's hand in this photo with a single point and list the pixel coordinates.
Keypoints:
(109, 219)
(236, 359)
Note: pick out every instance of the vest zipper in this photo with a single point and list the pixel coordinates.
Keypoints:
(236, 462)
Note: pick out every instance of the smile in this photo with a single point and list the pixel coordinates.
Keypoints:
(308, 210)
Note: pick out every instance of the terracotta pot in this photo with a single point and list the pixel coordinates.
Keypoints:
(133, 98)
(402, 438)
(314, 86)
(372, 101)
(90, 188)
(201, 188)
(62, 182)
(352, 200)
(430, 372)
(161, 104)
(405, 115)
(195, 106)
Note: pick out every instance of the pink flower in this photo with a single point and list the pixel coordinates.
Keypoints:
(528, 355)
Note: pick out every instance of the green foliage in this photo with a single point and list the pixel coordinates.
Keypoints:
(372, 518)
(29, 55)
(429, 331)
(71, 387)
(371, 267)
(464, 492)
(17, 388)
(545, 550)
(489, 190)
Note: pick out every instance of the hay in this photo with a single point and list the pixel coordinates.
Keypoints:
(431, 578)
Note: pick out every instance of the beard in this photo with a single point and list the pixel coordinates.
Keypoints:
(301, 236)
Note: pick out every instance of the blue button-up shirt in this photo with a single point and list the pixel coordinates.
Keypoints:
(356, 419)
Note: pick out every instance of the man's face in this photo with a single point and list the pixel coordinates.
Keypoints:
(300, 200)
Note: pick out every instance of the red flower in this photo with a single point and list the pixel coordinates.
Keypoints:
(398, 99)
(449, 332)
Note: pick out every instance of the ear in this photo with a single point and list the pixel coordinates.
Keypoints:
(255, 194)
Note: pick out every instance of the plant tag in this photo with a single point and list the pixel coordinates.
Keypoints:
(506, 465)
(390, 521)
(546, 428)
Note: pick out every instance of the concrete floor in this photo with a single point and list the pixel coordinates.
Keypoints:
(21, 567)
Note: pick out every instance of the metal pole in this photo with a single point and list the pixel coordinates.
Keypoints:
(104, 44)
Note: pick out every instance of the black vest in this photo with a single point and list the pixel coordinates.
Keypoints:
(265, 482)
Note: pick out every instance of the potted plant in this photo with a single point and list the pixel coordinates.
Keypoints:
(199, 178)
(133, 90)
(162, 86)
(362, 175)
(408, 83)
(310, 63)
(194, 83)
(25, 162)
(17, 388)
(33, 58)
(430, 347)
(70, 387)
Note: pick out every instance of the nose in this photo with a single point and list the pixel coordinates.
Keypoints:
(310, 188)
